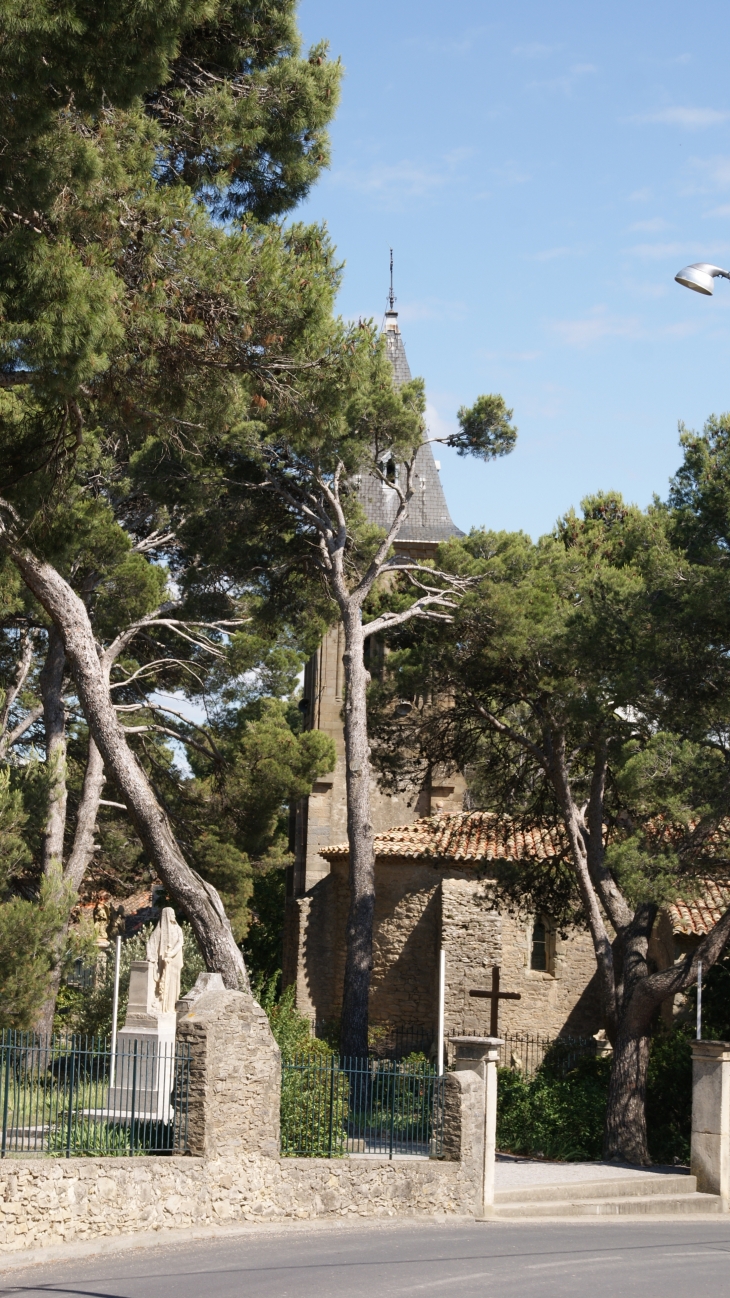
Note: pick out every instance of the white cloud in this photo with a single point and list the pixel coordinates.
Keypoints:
(390, 183)
(509, 356)
(600, 324)
(692, 119)
(714, 172)
(553, 254)
(653, 226)
(640, 196)
(658, 251)
(437, 425)
(565, 85)
(535, 50)
(724, 210)
(431, 309)
(511, 174)
(407, 177)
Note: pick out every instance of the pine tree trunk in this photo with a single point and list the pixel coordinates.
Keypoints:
(78, 860)
(625, 1132)
(195, 896)
(359, 933)
(54, 723)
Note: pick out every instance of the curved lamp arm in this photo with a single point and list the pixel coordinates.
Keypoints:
(701, 277)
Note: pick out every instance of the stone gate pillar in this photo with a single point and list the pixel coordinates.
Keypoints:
(710, 1151)
(235, 1076)
(470, 1118)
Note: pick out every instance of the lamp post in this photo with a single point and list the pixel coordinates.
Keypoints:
(701, 277)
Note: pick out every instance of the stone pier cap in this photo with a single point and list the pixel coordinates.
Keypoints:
(471, 1052)
(719, 1051)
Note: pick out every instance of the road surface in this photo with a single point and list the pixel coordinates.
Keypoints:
(649, 1259)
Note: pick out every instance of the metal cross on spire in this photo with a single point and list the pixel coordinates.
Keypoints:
(391, 295)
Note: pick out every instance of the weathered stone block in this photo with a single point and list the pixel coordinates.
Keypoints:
(228, 1033)
(710, 1149)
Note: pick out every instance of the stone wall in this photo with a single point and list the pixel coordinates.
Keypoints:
(238, 1174)
(235, 1076)
(417, 907)
(405, 944)
(49, 1201)
(476, 936)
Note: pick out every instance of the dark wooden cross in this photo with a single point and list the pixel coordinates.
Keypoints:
(495, 996)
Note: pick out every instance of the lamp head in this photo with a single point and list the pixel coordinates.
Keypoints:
(701, 277)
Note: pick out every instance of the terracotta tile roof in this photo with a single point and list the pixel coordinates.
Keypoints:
(468, 836)
(477, 836)
(695, 918)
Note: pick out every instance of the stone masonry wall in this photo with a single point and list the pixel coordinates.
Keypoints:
(49, 1201)
(235, 1085)
(417, 907)
(405, 944)
(235, 1076)
(476, 936)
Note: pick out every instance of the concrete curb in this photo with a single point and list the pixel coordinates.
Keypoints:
(111, 1245)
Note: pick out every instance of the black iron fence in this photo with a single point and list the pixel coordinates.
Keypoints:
(528, 1051)
(333, 1107)
(399, 1043)
(384, 1041)
(70, 1096)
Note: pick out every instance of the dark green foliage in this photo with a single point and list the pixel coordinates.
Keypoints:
(243, 115)
(700, 492)
(669, 1097)
(263, 945)
(562, 1117)
(484, 429)
(551, 1116)
(292, 1031)
(27, 927)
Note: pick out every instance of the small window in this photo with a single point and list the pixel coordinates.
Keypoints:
(538, 948)
(389, 468)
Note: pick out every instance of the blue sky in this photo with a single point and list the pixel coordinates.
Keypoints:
(542, 172)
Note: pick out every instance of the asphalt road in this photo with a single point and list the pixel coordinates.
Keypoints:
(653, 1259)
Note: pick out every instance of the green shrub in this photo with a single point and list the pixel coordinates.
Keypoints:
(554, 1117)
(669, 1097)
(563, 1117)
(292, 1031)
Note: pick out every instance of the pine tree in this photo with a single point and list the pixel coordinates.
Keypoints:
(132, 318)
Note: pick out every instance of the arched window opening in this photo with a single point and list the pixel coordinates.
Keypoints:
(538, 948)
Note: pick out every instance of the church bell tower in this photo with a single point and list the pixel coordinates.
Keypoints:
(321, 819)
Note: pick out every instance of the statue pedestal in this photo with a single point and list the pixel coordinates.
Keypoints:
(144, 1063)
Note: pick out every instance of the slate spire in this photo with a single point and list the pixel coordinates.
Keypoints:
(429, 520)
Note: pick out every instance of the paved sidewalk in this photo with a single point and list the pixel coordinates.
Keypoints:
(513, 1173)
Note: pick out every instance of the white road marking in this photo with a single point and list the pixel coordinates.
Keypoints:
(571, 1261)
(453, 1279)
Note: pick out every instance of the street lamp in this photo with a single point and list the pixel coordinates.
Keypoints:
(701, 277)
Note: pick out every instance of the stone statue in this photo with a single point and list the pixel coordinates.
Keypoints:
(101, 921)
(165, 954)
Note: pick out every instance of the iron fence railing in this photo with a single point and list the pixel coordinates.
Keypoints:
(398, 1043)
(70, 1096)
(83, 977)
(528, 1051)
(384, 1042)
(333, 1107)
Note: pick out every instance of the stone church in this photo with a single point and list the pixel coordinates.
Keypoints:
(432, 877)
